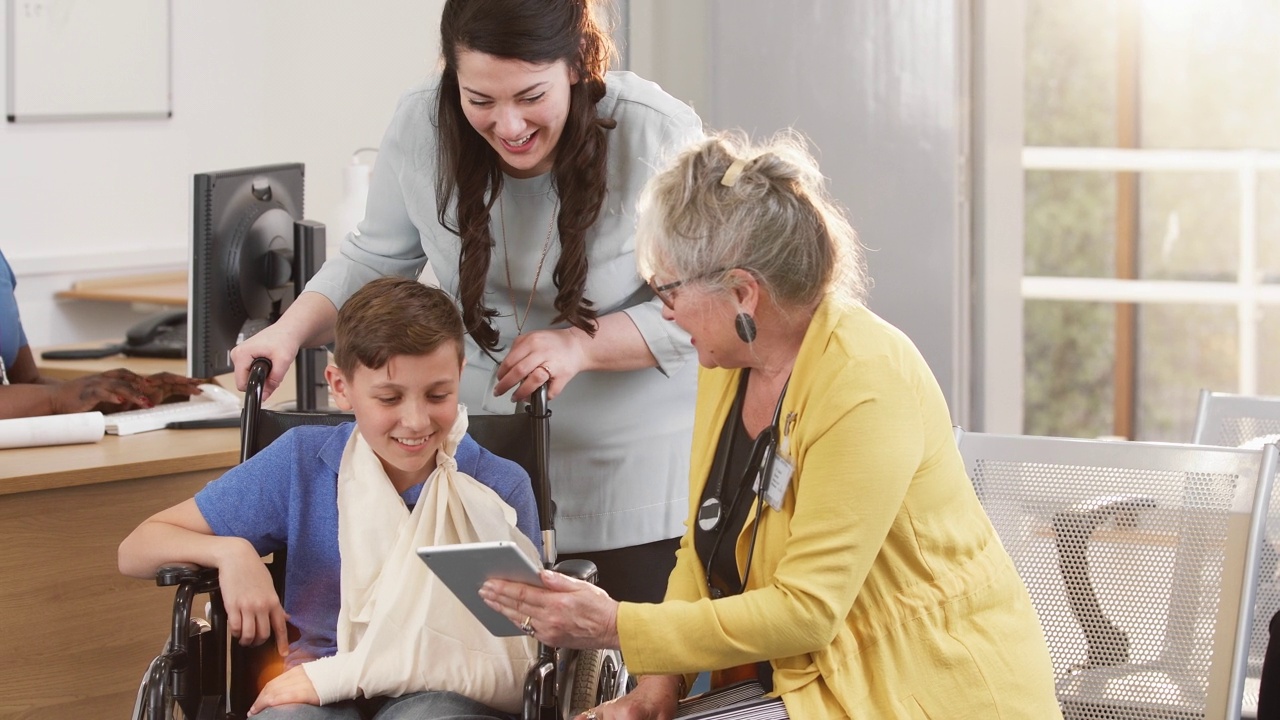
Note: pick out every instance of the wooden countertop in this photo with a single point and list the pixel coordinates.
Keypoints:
(115, 458)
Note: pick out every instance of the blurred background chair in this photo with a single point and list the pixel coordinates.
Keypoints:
(1141, 561)
(1233, 420)
(1244, 420)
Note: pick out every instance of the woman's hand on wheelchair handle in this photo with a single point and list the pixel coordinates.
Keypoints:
(271, 343)
(291, 686)
(551, 357)
(565, 612)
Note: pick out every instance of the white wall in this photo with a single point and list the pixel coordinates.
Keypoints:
(253, 83)
(669, 42)
(880, 88)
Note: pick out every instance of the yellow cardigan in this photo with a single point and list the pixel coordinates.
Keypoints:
(880, 589)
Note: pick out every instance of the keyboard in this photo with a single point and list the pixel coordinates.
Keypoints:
(214, 402)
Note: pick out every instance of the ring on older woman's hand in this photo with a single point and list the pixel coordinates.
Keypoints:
(591, 714)
(527, 625)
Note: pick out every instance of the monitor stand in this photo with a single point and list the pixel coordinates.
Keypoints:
(313, 391)
(308, 256)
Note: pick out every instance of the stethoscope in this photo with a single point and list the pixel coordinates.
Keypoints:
(710, 518)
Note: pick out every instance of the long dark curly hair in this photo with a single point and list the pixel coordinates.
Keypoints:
(535, 31)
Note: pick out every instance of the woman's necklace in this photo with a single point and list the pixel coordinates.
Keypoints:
(506, 261)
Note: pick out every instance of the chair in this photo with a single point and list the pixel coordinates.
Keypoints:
(190, 679)
(1232, 420)
(1235, 420)
(1140, 559)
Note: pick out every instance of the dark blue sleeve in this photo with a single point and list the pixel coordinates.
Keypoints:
(251, 500)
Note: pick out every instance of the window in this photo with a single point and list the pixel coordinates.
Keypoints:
(1152, 212)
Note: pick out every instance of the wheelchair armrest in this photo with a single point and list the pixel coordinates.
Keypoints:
(578, 568)
(1106, 643)
(204, 578)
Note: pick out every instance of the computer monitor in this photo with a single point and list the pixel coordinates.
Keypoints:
(251, 254)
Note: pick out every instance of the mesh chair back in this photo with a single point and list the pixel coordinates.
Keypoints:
(1138, 558)
(1235, 420)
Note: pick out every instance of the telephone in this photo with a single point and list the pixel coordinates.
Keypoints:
(159, 336)
(163, 336)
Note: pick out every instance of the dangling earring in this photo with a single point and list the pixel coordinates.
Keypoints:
(746, 327)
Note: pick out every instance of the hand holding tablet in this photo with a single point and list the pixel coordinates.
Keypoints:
(463, 569)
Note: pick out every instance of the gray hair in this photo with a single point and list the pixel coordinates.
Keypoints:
(725, 203)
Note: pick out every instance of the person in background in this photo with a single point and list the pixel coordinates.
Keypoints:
(25, 393)
(349, 504)
(835, 549)
(515, 172)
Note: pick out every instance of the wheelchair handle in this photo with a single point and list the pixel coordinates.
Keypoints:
(253, 388)
(541, 416)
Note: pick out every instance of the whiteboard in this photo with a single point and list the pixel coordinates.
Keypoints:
(88, 59)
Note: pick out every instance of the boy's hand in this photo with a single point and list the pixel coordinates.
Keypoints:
(254, 612)
(291, 686)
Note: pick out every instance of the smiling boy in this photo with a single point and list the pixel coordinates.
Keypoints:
(397, 367)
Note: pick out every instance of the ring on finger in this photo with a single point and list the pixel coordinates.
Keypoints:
(591, 714)
(527, 625)
(547, 370)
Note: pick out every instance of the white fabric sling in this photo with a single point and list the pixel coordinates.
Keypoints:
(400, 630)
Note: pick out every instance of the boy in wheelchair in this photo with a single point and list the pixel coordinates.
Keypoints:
(349, 504)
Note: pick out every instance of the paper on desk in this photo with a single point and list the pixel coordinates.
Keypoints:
(85, 427)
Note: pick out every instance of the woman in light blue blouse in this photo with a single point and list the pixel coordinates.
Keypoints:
(515, 172)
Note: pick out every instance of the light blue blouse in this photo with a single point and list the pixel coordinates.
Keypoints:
(620, 440)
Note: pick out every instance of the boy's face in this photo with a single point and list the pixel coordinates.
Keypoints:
(404, 409)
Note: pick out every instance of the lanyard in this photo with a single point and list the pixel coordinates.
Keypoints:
(760, 463)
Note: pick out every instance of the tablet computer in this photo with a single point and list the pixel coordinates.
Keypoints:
(463, 568)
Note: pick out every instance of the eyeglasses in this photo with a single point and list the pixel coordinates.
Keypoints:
(664, 291)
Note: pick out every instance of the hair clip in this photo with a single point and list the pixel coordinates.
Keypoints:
(731, 175)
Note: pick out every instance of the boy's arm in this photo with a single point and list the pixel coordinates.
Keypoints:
(181, 534)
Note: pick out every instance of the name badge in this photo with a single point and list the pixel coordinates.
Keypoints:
(779, 480)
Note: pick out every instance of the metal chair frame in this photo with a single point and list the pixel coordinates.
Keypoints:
(1037, 490)
(1233, 420)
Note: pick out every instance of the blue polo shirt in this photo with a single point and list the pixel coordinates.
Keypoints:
(11, 335)
(286, 496)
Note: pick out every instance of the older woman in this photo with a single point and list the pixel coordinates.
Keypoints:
(835, 548)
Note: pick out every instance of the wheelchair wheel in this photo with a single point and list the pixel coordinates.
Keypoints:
(598, 677)
(156, 699)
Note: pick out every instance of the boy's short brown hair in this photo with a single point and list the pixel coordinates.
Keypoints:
(394, 316)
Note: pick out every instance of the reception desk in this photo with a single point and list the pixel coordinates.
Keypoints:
(76, 635)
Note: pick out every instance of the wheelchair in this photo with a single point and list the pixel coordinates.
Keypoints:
(202, 674)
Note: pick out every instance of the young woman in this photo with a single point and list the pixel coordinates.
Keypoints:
(516, 173)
